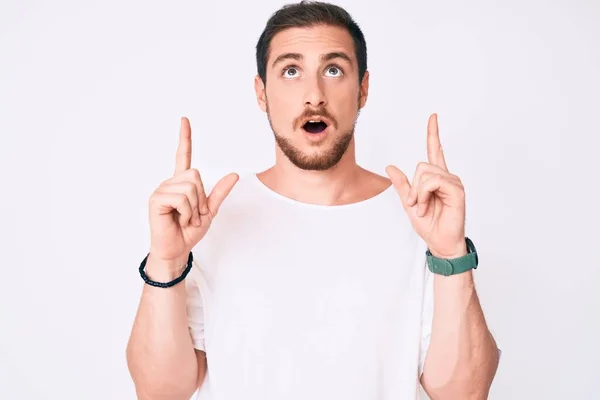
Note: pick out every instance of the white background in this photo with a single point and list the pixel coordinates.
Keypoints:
(90, 99)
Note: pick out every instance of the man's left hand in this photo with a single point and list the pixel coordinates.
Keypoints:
(435, 201)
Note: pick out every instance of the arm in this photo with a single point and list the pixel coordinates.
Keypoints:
(161, 358)
(462, 358)
(161, 354)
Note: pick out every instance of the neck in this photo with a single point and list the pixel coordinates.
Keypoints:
(329, 187)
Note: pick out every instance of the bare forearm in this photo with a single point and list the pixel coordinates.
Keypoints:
(160, 353)
(462, 358)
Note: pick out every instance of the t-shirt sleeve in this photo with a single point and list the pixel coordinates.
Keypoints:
(426, 317)
(195, 310)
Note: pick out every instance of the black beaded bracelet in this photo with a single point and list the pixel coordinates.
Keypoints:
(174, 282)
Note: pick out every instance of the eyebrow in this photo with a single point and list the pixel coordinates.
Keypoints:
(324, 57)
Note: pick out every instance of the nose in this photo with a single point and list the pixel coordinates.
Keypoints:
(314, 95)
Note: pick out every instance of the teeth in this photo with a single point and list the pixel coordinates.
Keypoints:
(315, 120)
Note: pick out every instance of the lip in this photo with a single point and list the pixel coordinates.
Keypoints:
(318, 118)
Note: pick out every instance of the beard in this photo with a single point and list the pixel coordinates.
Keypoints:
(322, 160)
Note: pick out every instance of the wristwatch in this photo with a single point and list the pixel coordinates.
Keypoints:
(453, 266)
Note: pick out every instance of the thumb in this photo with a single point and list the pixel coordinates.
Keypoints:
(220, 191)
(400, 182)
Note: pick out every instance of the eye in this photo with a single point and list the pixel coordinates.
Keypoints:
(290, 72)
(334, 70)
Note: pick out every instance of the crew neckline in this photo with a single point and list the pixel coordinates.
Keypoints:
(362, 203)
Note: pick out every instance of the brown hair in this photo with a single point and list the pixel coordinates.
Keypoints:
(307, 14)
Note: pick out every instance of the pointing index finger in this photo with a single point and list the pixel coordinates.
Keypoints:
(183, 159)
(435, 153)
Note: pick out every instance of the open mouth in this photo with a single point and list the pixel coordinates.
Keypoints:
(314, 126)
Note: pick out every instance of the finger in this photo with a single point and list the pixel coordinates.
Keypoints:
(400, 182)
(435, 153)
(220, 191)
(184, 150)
(193, 175)
(189, 190)
(202, 199)
(167, 202)
(422, 167)
(429, 185)
(444, 186)
(421, 175)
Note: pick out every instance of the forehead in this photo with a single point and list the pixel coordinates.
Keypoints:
(316, 40)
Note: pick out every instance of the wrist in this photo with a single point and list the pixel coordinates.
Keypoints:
(165, 270)
(454, 260)
(456, 252)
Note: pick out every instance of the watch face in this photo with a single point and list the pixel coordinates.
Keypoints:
(471, 249)
(470, 245)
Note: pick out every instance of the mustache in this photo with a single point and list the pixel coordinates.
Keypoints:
(311, 113)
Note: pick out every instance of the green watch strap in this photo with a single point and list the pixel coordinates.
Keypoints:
(454, 266)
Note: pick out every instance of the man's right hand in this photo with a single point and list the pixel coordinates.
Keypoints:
(180, 211)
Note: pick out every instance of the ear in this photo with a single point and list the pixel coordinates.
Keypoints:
(261, 96)
(364, 90)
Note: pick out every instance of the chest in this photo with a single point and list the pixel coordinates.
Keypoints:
(312, 285)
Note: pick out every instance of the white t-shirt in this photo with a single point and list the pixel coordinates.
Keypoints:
(298, 301)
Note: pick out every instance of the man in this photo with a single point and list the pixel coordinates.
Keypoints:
(317, 279)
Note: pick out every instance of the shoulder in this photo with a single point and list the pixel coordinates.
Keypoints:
(376, 181)
(244, 199)
(244, 194)
(243, 188)
(234, 217)
(372, 184)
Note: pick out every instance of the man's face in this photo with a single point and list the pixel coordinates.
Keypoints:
(312, 75)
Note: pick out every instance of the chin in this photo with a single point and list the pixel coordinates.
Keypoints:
(315, 156)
